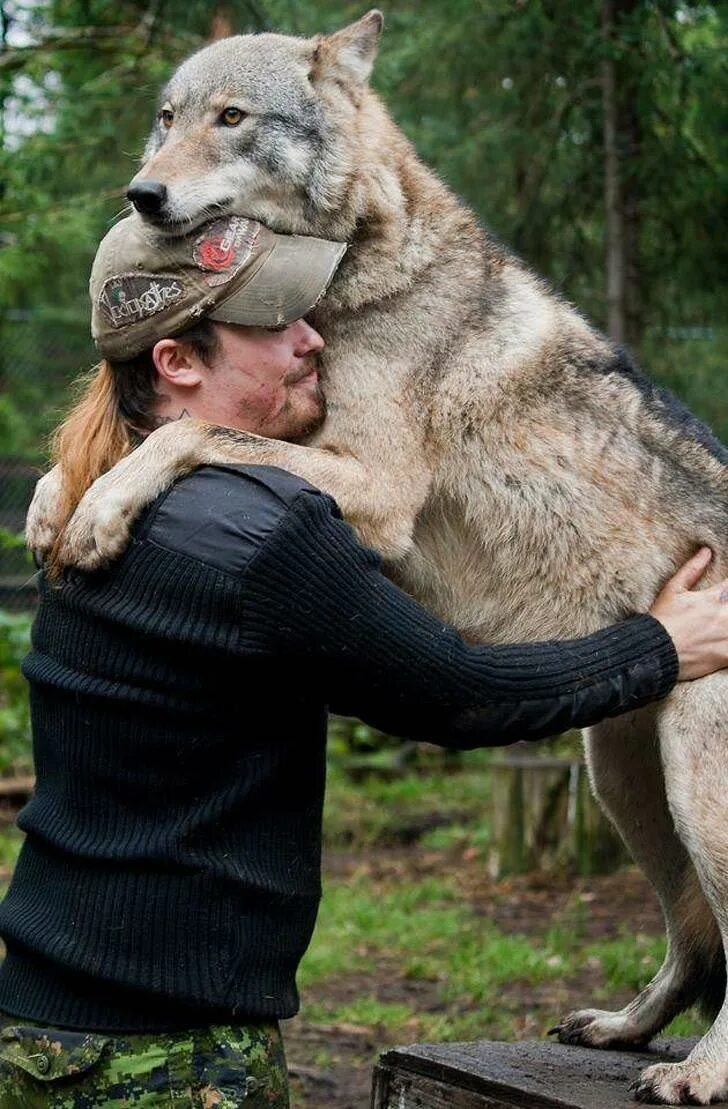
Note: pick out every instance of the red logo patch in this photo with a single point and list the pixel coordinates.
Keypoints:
(216, 253)
(224, 247)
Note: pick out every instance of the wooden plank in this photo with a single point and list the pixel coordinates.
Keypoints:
(528, 1075)
(16, 788)
(394, 1090)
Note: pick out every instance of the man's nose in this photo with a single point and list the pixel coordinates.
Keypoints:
(308, 339)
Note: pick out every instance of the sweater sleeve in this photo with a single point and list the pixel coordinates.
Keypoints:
(319, 600)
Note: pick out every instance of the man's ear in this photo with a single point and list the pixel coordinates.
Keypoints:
(348, 55)
(176, 364)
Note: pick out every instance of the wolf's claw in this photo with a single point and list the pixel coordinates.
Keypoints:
(599, 1028)
(698, 1082)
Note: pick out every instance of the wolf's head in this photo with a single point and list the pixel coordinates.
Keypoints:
(266, 126)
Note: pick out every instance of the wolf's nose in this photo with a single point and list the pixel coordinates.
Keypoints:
(148, 197)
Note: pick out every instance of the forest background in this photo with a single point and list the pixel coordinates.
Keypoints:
(593, 139)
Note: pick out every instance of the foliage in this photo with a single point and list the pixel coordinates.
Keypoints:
(14, 710)
(10, 843)
(9, 541)
(434, 806)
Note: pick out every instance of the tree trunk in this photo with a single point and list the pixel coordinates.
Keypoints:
(225, 23)
(221, 24)
(621, 179)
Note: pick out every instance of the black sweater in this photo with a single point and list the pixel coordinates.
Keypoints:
(170, 874)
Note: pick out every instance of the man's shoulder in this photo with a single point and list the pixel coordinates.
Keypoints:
(249, 482)
(221, 515)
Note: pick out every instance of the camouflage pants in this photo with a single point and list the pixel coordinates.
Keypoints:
(219, 1067)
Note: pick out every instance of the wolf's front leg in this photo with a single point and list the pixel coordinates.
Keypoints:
(382, 513)
(44, 520)
(693, 729)
(625, 767)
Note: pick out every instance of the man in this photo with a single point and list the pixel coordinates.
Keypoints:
(169, 881)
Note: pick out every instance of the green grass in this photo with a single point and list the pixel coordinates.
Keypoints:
(425, 932)
(374, 809)
(365, 1010)
(395, 927)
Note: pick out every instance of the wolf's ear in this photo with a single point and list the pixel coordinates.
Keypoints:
(349, 54)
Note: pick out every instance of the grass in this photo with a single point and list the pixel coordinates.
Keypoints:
(424, 931)
(378, 929)
(376, 810)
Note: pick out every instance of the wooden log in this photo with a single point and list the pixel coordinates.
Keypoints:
(529, 1075)
(16, 789)
(544, 816)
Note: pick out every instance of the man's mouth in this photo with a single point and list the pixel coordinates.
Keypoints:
(307, 369)
(310, 370)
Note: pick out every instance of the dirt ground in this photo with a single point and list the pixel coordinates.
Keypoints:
(525, 905)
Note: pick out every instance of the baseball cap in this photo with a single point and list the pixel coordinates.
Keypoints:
(146, 286)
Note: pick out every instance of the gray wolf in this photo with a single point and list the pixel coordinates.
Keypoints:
(521, 477)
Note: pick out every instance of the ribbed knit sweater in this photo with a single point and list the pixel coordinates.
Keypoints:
(170, 875)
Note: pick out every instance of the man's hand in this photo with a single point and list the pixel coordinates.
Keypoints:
(696, 620)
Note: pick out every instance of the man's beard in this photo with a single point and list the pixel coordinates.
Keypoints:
(315, 419)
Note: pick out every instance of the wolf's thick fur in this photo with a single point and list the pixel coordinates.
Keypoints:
(522, 479)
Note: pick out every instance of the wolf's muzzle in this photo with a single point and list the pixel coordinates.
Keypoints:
(148, 197)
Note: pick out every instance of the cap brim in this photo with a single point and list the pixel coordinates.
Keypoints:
(288, 284)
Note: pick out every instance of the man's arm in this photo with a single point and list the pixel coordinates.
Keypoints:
(318, 599)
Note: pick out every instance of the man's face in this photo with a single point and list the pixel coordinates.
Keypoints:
(259, 380)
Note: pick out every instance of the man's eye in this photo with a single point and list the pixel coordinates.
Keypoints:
(166, 117)
(231, 117)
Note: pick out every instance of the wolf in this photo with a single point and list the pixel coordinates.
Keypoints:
(519, 475)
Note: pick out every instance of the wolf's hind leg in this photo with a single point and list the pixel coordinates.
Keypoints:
(693, 727)
(625, 768)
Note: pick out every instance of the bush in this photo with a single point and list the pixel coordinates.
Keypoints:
(15, 746)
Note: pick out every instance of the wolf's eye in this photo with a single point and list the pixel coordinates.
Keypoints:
(166, 117)
(231, 117)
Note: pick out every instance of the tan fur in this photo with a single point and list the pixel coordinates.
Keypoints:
(197, 148)
(486, 439)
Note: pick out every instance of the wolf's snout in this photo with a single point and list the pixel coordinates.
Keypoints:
(148, 197)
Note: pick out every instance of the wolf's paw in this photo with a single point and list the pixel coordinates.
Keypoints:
(43, 523)
(599, 1028)
(699, 1082)
(100, 527)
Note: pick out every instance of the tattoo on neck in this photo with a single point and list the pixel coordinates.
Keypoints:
(161, 420)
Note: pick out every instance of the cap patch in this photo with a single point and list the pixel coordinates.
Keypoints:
(131, 297)
(224, 248)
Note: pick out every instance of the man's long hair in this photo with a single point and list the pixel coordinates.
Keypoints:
(114, 411)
